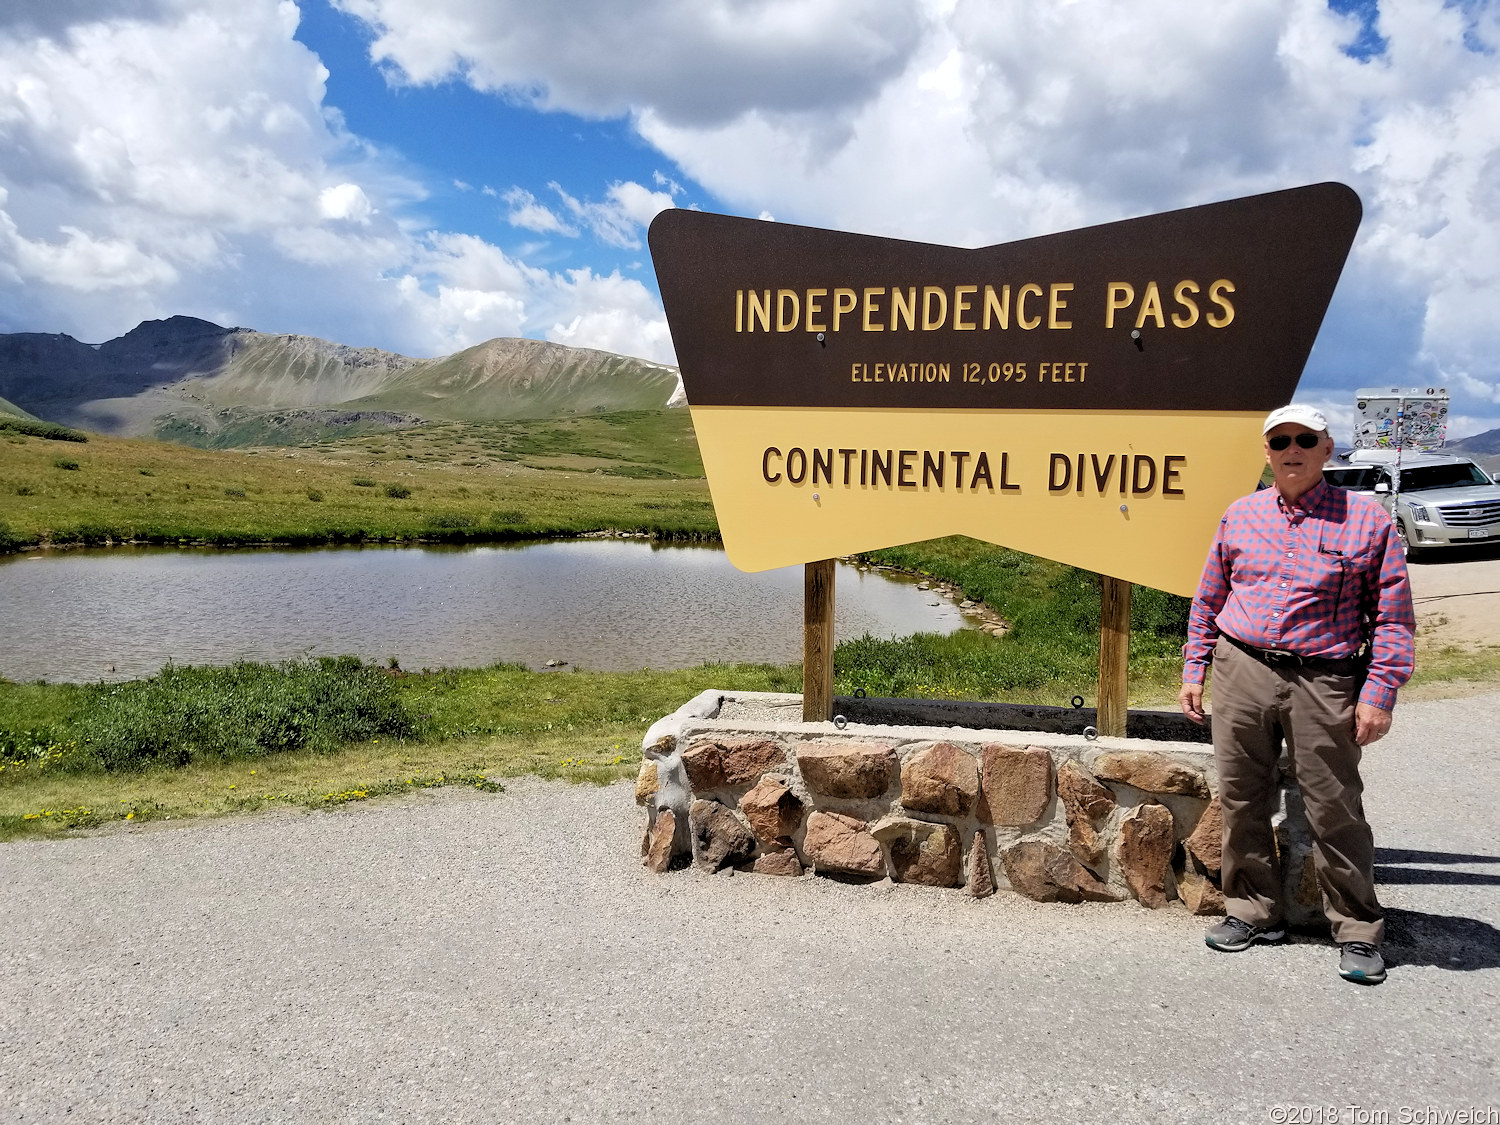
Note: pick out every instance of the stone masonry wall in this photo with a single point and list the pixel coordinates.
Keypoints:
(1070, 821)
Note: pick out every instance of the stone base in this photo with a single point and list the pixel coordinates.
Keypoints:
(1054, 817)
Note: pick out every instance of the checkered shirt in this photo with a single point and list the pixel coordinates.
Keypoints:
(1318, 577)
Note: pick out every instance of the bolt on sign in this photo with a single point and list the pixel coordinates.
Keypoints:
(1094, 397)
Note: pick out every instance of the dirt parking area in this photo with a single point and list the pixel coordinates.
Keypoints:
(1457, 596)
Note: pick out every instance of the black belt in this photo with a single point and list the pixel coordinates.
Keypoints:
(1281, 658)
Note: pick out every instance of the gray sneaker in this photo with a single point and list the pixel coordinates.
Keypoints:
(1232, 935)
(1362, 963)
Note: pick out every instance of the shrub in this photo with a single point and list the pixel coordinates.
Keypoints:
(362, 482)
(235, 493)
(314, 495)
(507, 515)
(147, 472)
(65, 463)
(48, 430)
(450, 521)
(24, 490)
(186, 714)
(397, 491)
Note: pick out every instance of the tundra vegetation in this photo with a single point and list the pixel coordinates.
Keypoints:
(315, 733)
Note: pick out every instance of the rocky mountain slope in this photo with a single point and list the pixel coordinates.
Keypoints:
(192, 380)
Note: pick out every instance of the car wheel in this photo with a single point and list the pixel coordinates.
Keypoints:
(1413, 553)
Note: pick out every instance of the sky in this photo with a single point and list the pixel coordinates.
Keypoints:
(423, 175)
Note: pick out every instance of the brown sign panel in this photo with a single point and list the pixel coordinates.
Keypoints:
(861, 391)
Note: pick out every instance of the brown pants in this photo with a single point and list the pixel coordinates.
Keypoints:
(1254, 707)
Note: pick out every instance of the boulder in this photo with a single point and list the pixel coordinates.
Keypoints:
(719, 839)
(1144, 852)
(730, 762)
(835, 842)
(1152, 772)
(1206, 844)
(704, 766)
(1085, 802)
(744, 761)
(658, 843)
(848, 770)
(645, 783)
(1199, 895)
(772, 810)
(940, 778)
(921, 852)
(1015, 784)
(981, 878)
(1047, 873)
(780, 861)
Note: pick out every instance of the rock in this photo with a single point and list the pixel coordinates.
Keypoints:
(1085, 802)
(772, 810)
(730, 762)
(1144, 852)
(967, 603)
(940, 778)
(782, 861)
(849, 770)
(1301, 897)
(921, 852)
(744, 761)
(981, 878)
(719, 839)
(835, 842)
(1047, 873)
(1155, 773)
(1199, 895)
(658, 843)
(645, 783)
(704, 765)
(1206, 844)
(1015, 785)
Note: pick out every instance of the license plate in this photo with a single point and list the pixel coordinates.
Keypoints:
(1479, 533)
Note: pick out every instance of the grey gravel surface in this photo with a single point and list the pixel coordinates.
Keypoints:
(456, 956)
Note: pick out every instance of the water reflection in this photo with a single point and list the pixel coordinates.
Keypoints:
(602, 604)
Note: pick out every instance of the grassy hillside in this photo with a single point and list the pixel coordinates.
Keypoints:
(632, 471)
(14, 410)
(523, 379)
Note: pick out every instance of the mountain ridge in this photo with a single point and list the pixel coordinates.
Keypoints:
(182, 376)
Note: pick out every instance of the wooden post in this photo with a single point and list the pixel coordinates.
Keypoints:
(817, 642)
(1114, 656)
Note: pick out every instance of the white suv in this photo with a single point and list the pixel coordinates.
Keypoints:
(1437, 500)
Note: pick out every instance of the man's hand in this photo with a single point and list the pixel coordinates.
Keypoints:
(1370, 722)
(1190, 699)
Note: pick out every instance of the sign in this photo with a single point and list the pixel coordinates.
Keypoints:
(1094, 397)
(1397, 418)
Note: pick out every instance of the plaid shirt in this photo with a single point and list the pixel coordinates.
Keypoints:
(1317, 577)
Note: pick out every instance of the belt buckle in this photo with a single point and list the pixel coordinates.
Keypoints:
(1280, 657)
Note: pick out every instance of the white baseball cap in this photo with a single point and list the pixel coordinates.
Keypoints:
(1298, 413)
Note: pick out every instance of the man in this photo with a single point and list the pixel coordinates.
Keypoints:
(1305, 612)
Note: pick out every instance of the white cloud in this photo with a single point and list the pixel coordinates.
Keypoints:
(699, 62)
(530, 214)
(345, 201)
(624, 212)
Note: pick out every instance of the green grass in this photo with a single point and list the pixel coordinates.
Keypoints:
(189, 741)
(1051, 652)
(635, 471)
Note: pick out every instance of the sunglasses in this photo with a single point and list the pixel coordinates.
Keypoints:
(1304, 441)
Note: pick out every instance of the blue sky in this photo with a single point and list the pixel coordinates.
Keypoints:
(422, 175)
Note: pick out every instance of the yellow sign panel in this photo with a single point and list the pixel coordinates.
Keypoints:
(1093, 397)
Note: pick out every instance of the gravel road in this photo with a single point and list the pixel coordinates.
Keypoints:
(456, 956)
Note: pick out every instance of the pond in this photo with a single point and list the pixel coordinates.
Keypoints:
(607, 605)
